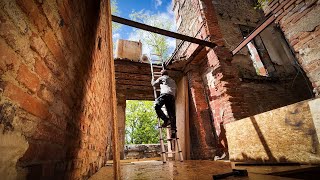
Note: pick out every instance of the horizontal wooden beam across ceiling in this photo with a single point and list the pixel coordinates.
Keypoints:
(162, 31)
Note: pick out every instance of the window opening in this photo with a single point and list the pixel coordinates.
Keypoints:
(258, 52)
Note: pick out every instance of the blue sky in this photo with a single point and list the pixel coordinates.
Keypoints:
(126, 7)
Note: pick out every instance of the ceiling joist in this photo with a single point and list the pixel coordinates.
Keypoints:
(161, 31)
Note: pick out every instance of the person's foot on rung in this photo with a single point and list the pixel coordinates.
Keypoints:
(165, 124)
(173, 135)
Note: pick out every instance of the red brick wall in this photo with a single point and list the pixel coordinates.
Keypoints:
(202, 138)
(230, 96)
(300, 22)
(55, 77)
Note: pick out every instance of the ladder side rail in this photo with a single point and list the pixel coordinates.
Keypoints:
(179, 150)
(163, 152)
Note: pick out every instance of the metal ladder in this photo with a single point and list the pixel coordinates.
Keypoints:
(174, 142)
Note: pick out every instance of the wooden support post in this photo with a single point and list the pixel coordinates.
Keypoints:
(115, 144)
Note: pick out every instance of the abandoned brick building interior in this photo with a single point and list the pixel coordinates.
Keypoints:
(250, 97)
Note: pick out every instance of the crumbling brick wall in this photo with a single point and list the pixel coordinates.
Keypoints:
(300, 22)
(286, 84)
(202, 138)
(232, 93)
(56, 101)
(191, 20)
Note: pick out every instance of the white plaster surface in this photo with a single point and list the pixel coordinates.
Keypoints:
(12, 147)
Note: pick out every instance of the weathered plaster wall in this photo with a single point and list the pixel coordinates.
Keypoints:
(300, 22)
(287, 134)
(56, 103)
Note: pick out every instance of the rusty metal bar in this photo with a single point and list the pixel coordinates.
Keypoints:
(161, 31)
(254, 33)
(180, 45)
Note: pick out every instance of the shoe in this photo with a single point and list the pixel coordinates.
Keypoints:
(173, 135)
(166, 124)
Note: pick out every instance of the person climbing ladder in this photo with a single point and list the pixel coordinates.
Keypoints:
(167, 98)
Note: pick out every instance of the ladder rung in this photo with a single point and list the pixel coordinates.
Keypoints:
(162, 127)
(171, 152)
(156, 66)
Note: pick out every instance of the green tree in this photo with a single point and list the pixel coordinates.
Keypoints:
(158, 44)
(141, 123)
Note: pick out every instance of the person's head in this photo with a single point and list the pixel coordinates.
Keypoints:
(164, 72)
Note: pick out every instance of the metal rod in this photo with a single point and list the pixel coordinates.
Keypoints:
(180, 45)
(255, 32)
(161, 31)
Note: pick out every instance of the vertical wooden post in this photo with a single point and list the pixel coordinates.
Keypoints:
(115, 144)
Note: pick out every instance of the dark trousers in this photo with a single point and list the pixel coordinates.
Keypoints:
(169, 101)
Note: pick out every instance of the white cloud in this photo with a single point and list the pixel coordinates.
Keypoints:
(166, 16)
(171, 42)
(170, 9)
(158, 3)
(116, 36)
(172, 45)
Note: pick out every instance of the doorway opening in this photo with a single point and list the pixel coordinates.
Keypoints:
(141, 130)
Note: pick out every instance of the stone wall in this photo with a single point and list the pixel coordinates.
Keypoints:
(300, 22)
(142, 151)
(56, 101)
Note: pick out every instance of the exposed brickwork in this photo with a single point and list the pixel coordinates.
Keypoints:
(57, 80)
(300, 22)
(232, 86)
(201, 127)
(233, 13)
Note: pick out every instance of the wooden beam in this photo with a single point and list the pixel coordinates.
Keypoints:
(137, 68)
(134, 82)
(161, 31)
(105, 12)
(255, 32)
(130, 76)
(139, 95)
(133, 87)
